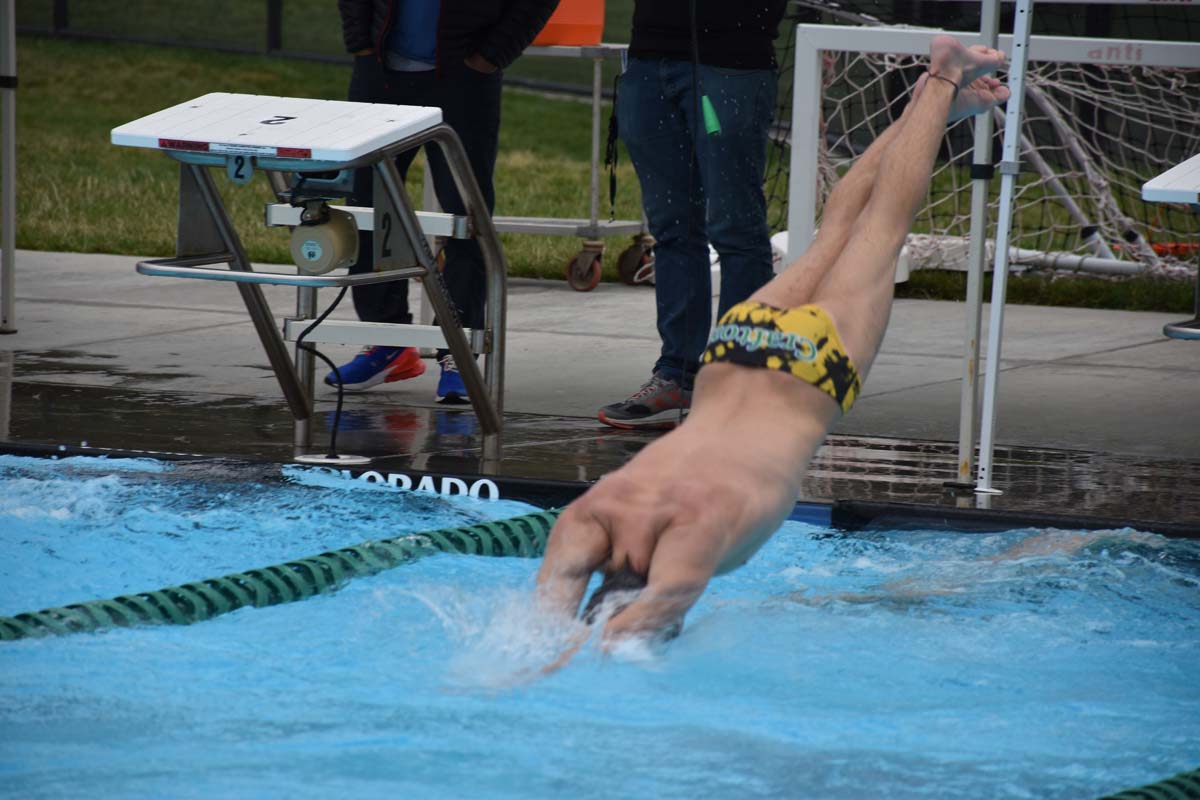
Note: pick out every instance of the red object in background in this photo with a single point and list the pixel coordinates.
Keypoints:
(574, 22)
(1178, 249)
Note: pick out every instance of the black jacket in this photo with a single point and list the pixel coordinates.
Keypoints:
(739, 34)
(496, 29)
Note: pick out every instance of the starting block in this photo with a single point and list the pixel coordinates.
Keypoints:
(302, 146)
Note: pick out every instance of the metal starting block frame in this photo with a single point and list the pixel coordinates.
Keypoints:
(279, 135)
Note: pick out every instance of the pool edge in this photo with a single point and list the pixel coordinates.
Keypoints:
(849, 514)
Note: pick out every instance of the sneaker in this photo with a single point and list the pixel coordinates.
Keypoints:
(451, 389)
(656, 406)
(376, 365)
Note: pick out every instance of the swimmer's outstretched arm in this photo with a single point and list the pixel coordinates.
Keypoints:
(700, 500)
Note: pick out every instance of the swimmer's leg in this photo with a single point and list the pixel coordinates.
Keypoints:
(857, 290)
(842, 208)
(1066, 543)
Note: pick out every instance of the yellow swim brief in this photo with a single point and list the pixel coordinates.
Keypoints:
(801, 341)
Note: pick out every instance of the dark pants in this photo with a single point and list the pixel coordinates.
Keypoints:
(470, 103)
(699, 187)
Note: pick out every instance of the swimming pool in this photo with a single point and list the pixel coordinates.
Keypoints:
(898, 664)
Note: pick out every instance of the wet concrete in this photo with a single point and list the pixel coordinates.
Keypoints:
(1096, 415)
(891, 475)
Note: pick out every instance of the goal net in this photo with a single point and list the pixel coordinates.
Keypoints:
(1102, 116)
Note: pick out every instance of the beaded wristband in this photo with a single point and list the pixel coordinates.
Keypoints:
(947, 80)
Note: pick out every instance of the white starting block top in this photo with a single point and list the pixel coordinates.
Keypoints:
(1180, 184)
(211, 128)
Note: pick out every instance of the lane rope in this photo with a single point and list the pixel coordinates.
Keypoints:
(521, 537)
(1184, 786)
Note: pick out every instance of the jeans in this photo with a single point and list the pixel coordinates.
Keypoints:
(470, 104)
(697, 188)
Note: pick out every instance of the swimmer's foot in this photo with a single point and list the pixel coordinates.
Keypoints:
(981, 96)
(952, 60)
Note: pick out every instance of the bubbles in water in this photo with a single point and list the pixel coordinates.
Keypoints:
(639, 650)
(500, 638)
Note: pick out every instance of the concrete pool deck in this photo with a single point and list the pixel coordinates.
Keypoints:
(1097, 410)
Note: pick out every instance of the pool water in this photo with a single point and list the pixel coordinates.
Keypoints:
(885, 664)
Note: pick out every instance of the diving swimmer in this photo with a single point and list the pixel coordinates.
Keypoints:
(778, 371)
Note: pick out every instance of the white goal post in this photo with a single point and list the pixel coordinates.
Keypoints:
(900, 47)
(1107, 114)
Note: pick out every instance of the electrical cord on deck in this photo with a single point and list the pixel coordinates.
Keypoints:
(337, 375)
(611, 150)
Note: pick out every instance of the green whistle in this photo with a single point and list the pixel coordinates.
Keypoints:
(711, 123)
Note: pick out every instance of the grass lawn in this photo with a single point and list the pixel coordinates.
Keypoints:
(1132, 294)
(77, 192)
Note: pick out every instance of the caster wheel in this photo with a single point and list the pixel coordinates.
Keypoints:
(583, 271)
(636, 266)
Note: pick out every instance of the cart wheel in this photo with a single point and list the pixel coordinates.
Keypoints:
(583, 271)
(635, 266)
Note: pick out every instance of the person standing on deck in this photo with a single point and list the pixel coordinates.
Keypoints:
(694, 109)
(448, 54)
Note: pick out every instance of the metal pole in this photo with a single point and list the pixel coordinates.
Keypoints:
(496, 275)
(1009, 169)
(429, 202)
(6, 387)
(8, 163)
(274, 25)
(805, 138)
(594, 185)
(252, 295)
(495, 264)
(306, 309)
(480, 388)
(981, 172)
(62, 16)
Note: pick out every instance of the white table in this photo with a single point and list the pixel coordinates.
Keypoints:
(1180, 184)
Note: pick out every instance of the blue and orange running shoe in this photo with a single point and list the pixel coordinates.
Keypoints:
(451, 389)
(376, 365)
(660, 404)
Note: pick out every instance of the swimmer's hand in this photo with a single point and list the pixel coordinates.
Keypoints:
(618, 588)
(614, 594)
(694, 503)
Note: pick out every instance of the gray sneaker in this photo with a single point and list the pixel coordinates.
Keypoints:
(659, 405)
